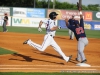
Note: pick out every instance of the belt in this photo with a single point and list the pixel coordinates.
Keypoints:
(50, 35)
(82, 37)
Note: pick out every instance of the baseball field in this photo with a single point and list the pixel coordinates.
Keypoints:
(19, 59)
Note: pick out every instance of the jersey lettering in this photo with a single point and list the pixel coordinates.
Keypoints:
(79, 30)
(47, 25)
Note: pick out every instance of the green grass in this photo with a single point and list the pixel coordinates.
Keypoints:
(22, 73)
(24, 30)
(93, 33)
(5, 51)
(62, 32)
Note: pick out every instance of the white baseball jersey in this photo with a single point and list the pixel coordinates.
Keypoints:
(49, 24)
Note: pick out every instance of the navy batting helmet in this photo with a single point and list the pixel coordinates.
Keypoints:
(53, 15)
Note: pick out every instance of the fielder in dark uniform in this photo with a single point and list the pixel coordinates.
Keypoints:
(80, 35)
(5, 23)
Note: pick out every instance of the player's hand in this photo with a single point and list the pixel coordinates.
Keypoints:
(66, 21)
(59, 27)
(39, 29)
(80, 12)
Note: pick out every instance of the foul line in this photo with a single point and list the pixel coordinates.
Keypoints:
(45, 65)
(45, 69)
(51, 68)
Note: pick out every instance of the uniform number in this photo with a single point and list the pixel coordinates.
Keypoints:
(79, 30)
(47, 25)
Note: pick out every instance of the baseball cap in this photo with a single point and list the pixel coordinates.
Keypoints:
(76, 22)
(5, 14)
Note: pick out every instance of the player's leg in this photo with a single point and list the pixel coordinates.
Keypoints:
(81, 46)
(45, 44)
(4, 26)
(72, 35)
(58, 49)
(78, 56)
(33, 44)
(85, 40)
(69, 33)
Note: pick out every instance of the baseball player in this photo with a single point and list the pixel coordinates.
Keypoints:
(71, 33)
(80, 35)
(5, 22)
(48, 38)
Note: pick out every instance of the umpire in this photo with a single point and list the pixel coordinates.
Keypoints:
(5, 22)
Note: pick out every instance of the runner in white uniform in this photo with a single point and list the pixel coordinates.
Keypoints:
(48, 38)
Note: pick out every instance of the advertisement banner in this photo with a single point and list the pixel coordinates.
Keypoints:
(1, 21)
(20, 12)
(96, 16)
(62, 14)
(36, 13)
(27, 22)
(4, 10)
(94, 25)
(29, 12)
(87, 25)
(88, 16)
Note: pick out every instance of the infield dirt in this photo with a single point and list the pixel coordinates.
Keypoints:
(28, 59)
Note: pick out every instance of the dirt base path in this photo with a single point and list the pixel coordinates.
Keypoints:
(28, 59)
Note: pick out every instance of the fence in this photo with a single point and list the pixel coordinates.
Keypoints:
(30, 17)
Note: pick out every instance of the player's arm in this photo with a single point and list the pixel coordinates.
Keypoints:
(81, 18)
(79, 9)
(54, 28)
(67, 22)
(39, 27)
(5, 18)
(81, 14)
(40, 24)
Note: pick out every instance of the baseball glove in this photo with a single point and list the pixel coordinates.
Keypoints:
(39, 29)
(79, 7)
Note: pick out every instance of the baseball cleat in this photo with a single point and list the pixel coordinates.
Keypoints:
(84, 61)
(70, 58)
(25, 42)
(77, 60)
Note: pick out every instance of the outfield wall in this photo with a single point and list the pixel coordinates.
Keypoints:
(30, 17)
(26, 22)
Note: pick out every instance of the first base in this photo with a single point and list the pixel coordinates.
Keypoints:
(83, 65)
